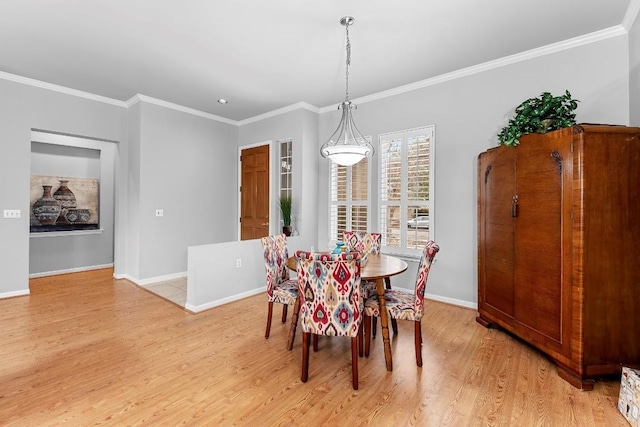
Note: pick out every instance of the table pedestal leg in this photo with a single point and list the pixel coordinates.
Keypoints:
(384, 324)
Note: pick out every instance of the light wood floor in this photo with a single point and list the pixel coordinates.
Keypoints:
(85, 349)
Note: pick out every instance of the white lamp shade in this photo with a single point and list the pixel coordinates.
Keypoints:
(345, 155)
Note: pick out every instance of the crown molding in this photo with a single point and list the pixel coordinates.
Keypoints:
(507, 60)
(144, 98)
(631, 14)
(629, 18)
(273, 113)
(61, 89)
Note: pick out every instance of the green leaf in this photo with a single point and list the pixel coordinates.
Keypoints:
(541, 114)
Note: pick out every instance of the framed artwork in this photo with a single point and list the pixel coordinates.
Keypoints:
(64, 203)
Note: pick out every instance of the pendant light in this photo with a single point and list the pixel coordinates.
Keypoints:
(347, 146)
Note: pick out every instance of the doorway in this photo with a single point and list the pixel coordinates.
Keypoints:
(254, 192)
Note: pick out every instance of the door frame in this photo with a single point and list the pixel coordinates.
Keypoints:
(271, 183)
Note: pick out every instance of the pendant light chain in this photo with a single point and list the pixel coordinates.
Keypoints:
(348, 63)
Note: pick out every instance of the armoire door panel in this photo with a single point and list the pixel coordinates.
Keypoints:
(499, 296)
(496, 176)
(538, 245)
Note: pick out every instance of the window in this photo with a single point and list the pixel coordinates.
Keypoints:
(286, 159)
(404, 192)
(349, 195)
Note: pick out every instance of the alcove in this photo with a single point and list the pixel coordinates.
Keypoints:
(70, 248)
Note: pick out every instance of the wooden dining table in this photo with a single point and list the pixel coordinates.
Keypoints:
(377, 268)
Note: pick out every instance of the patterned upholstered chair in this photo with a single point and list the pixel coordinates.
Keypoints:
(362, 241)
(368, 243)
(280, 289)
(404, 305)
(330, 301)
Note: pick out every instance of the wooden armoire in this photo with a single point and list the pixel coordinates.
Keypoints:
(559, 246)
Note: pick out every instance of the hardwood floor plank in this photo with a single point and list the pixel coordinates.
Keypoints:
(85, 349)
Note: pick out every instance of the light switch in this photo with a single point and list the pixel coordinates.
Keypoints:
(12, 213)
(159, 212)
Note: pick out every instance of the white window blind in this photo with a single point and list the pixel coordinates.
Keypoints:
(405, 180)
(349, 191)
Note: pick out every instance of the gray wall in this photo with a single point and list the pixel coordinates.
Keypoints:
(634, 73)
(128, 261)
(301, 126)
(187, 168)
(467, 114)
(22, 108)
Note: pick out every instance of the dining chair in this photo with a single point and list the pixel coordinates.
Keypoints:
(370, 243)
(330, 301)
(403, 305)
(280, 288)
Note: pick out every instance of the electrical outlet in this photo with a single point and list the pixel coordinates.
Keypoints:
(159, 212)
(239, 263)
(12, 213)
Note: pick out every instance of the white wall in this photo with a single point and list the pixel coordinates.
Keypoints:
(467, 113)
(210, 284)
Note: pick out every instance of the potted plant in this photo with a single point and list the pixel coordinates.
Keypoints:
(285, 208)
(542, 114)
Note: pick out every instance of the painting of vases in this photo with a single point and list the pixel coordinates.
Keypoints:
(63, 203)
(46, 209)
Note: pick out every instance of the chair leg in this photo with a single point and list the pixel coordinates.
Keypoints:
(418, 342)
(361, 340)
(285, 307)
(315, 342)
(354, 362)
(394, 322)
(305, 356)
(374, 322)
(269, 314)
(294, 324)
(394, 327)
(367, 334)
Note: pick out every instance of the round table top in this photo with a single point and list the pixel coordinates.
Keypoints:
(378, 266)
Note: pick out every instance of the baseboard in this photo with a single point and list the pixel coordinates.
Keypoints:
(14, 294)
(232, 298)
(452, 301)
(152, 280)
(70, 270)
(440, 298)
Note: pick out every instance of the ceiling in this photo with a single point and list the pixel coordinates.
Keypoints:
(263, 55)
